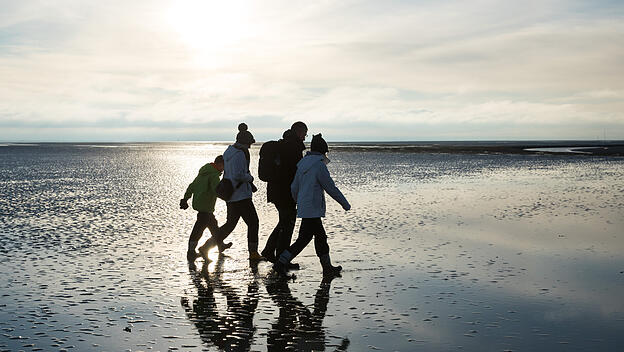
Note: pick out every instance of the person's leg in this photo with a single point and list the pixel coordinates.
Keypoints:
(304, 237)
(220, 233)
(250, 217)
(233, 214)
(322, 249)
(287, 219)
(196, 234)
(213, 227)
(272, 242)
(320, 237)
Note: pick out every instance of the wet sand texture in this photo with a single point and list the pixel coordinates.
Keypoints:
(441, 252)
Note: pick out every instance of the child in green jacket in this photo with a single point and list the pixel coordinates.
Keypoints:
(202, 189)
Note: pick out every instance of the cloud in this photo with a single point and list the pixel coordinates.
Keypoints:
(356, 62)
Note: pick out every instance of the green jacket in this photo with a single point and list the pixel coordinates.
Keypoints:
(203, 189)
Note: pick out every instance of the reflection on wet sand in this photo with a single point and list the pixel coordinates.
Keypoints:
(297, 328)
(232, 330)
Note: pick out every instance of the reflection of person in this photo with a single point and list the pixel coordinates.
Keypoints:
(202, 189)
(232, 330)
(278, 191)
(237, 159)
(311, 182)
(296, 327)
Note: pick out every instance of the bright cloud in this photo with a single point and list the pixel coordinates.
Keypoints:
(361, 69)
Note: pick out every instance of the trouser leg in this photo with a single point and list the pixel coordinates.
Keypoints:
(288, 217)
(233, 214)
(320, 237)
(271, 243)
(304, 237)
(198, 229)
(250, 217)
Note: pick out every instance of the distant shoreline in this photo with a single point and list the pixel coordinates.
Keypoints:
(577, 148)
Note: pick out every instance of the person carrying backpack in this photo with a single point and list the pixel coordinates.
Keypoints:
(278, 166)
(311, 182)
(237, 159)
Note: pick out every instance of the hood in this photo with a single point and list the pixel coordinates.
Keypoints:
(208, 169)
(230, 152)
(310, 160)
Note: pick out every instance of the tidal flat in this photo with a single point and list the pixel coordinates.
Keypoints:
(441, 252)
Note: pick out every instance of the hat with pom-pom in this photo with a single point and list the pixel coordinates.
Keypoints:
(244, 136)
(318, 144)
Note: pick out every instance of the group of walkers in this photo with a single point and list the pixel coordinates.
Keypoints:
(296, 185)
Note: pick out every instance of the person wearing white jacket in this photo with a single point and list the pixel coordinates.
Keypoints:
(308, 189)
(237, 159)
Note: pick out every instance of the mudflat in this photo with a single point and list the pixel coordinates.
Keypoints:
(441, 251)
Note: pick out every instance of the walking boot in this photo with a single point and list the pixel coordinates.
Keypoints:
(328, 268)
(223, 246)
(256, 256)
(191, 255)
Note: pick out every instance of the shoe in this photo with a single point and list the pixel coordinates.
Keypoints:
(256, 256)
(280, 269)
(223, 246)
(269, 256)
(293, 266)
(331, 270)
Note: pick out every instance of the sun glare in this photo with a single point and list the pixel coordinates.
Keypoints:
(208, 25)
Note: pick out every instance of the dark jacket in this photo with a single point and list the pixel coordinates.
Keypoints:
(290, 150)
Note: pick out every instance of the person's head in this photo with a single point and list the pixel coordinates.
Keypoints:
(218, 163)
(300, 130)
(244, 136)
(318, 144)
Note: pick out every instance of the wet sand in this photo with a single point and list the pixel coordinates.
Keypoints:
(440, 252)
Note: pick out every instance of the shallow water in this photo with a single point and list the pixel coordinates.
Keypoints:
(440, 252)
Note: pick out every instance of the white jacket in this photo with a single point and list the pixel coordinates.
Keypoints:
(236, 170)
(311, 182)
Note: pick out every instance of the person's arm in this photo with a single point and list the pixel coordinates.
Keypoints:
(187, 195)
(330, 187)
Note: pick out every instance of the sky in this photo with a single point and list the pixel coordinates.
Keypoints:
(191, 70)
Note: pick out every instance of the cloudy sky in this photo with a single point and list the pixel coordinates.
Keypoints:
(79, 70)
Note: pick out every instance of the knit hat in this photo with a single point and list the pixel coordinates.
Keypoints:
(244, 136)
(318, 144)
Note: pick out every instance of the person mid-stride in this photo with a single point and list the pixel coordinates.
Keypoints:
(202, 189)
(237, 158)
(311, 182)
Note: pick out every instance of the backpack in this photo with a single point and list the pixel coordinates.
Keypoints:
(270, 160)
(224, 189)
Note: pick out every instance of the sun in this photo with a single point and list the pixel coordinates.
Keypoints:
(208, 25)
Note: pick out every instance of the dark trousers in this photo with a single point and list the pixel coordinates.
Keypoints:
(204, 220)
(310, 227)
(279, 240)
(242, 209)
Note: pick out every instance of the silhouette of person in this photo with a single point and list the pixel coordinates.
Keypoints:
(202, 189)
(297, 328)
(232, 330)
(290, 150)
(311, 182)
(237, 159)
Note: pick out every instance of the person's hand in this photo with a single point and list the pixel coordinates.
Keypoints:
(183, 204)
(346, 207)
